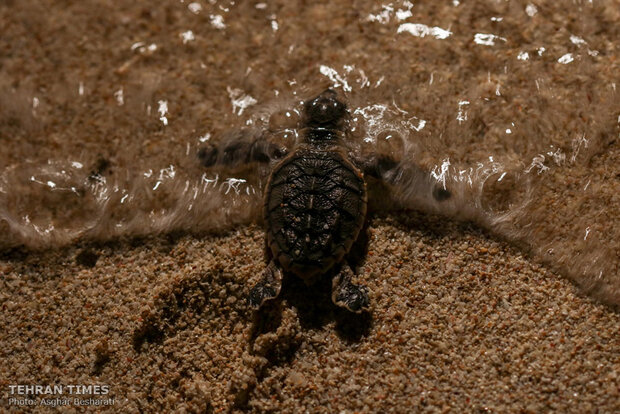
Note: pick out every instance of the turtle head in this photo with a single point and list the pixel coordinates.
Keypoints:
(325, 111)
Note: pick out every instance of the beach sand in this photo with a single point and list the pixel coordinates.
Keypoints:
(459, 322)
(462, 319)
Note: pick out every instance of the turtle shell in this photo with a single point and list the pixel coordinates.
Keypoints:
(315, 206)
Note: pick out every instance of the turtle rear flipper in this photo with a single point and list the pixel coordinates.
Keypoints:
(267, 288)
(348, 295)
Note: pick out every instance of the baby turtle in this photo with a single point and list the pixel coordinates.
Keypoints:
(315, 201)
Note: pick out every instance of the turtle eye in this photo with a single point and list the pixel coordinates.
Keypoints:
(278, 153)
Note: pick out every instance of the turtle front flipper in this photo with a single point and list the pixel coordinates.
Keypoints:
(240, 147)
(267, 288)
(348, 295)
(405, 174)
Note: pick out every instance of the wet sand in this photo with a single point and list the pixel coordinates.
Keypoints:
(462, 320)
(459, 322)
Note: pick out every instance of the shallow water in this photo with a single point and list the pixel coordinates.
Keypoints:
(513, 106)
